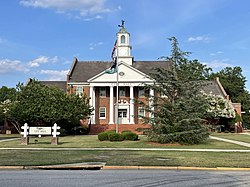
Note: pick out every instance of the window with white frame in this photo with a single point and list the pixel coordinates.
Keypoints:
(141, 92)
(79, 90)
(122, 91)
(141, 112)
(102, 113)
(102, 91)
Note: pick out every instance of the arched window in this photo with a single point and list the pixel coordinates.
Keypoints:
(123, 39)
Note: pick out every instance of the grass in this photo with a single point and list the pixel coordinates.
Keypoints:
(138, 158)
(93, 142)
(233, 136)
(128, 158)
(8, 136)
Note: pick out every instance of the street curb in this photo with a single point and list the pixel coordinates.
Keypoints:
(172, 168)
(99, 167)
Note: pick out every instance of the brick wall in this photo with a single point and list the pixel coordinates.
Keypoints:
(136, 128)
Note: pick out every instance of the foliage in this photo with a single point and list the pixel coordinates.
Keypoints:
(7, 96)
(218, 106)
(38, 104)
(128, 135)
(177, 109)
(233, 82)
(115, 137)
(103, 136)
(7, 93)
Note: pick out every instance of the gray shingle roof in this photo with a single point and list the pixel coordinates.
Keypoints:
(85, 70)
(213, 87)
(58, 84)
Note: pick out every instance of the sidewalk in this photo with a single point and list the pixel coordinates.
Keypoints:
(98, 166)
(231, 141)
(9, 139)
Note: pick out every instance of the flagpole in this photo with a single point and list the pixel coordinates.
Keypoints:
(117, 94)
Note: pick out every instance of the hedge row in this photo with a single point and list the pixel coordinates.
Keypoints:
(113, 136)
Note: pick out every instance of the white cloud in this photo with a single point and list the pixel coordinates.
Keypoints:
(119, 7)
(83, 7)
(218, 64)
(55, 75)
(199, 39)
(42, 60)
(11, 66)
(91, 18)
(92, 46)
(216, 53)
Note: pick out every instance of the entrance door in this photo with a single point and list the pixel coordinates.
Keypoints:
(122, 116)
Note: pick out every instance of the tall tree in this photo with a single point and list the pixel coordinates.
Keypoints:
(38, 104)
(178, 110)
(233, 82)
(6, 96)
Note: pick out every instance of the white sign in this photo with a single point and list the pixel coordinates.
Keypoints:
(40, 130)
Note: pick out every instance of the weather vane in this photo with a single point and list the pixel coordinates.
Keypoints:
(122, 25)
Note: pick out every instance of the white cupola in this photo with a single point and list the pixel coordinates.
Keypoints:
(123, 46)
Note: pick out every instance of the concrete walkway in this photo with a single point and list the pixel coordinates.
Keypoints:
(130, 149)
(231, 141)
(9, 139)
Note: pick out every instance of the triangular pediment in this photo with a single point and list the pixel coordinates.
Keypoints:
(126, 73)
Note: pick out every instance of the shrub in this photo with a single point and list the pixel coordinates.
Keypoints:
(110, 132)
(115, 137)
(129, 136)
(125, 131)
(103, 136)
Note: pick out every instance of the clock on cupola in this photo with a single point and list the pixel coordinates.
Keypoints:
(123, 45)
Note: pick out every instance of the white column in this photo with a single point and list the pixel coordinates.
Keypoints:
(92, 103)
(132, 113)
(151, 94)
(111, 105)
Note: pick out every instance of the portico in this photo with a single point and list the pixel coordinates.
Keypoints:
(128, 93)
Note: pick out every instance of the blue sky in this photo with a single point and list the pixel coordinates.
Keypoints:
(40, 38)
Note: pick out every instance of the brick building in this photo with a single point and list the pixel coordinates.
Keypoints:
(96, 79)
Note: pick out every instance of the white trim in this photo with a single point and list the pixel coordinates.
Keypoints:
(120, 83)
(78, 83)
(92, 102)
(111, 105)
(151, 94)
(119, 64)
(131, 105)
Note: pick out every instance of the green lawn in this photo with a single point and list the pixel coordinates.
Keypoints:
(137, 158)
(233, 136)
(126, 158)
(93, 142)
(8, 136)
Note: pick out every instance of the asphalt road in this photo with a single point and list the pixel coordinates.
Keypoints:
(120, 178)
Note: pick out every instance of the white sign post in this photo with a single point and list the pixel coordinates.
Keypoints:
(25, 138)
(54, 140)
(39, 131)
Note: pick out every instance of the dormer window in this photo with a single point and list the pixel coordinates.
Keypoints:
(122, 39)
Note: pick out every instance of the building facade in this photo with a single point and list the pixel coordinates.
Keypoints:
(112, 92)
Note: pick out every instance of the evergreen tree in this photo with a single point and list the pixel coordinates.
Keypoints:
(177, 108)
